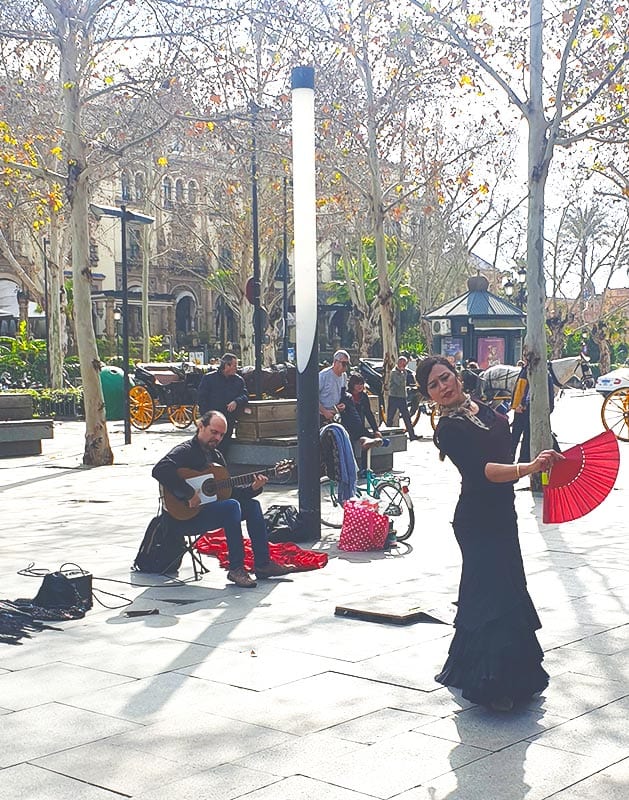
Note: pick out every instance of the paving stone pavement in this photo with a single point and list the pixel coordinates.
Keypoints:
(264, 693)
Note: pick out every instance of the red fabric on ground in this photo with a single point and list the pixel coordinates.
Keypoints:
(214, 544)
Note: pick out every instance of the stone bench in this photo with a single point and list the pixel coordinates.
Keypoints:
(20, 434)
(267, 452)
(266, 432)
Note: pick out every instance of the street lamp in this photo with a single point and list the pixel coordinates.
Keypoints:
(45, 244)
(514, 286)
(125, 216)
(257, 312)
(285, 274)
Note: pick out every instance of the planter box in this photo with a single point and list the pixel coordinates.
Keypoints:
(265, 419)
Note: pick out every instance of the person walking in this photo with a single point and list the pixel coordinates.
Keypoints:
(521, 424)
(197, 454)
(224, 391)
(495, 657)
(399, 379)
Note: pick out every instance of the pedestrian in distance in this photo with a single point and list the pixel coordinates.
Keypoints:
(197, 454)
(225, 391)
(399, 379)
(520, 405)
(494, 658)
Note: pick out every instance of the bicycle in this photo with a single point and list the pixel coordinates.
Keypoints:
(391, 490)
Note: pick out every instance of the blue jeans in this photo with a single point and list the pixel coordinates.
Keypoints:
(229, 514)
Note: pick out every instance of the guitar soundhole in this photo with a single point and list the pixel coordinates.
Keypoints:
(208, 487)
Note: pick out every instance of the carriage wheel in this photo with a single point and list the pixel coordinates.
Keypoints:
(159, 411)
(196, 415)
(141, 408)
(615, 414)
(180, 416)
(415, 413)
(434, 416)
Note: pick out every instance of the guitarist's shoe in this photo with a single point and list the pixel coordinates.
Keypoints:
(275, 570)
(241, 578)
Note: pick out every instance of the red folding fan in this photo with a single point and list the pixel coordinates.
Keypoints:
(580, 483)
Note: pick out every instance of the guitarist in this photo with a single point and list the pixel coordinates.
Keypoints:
(197, 454)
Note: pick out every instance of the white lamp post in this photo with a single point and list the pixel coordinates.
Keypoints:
(305, 228)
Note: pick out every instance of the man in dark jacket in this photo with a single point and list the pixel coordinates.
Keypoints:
(223, 391)
(197, 454)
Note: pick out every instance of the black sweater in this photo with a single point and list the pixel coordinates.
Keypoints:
(191, 455)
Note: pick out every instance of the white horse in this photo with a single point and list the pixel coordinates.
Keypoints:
(500, 379)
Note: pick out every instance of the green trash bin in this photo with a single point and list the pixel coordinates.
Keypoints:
(112, 382)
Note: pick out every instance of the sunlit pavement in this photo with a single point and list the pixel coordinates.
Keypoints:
(264, 692)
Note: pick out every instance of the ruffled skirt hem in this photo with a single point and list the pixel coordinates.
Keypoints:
(502, 659)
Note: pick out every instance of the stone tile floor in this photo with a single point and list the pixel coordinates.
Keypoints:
(266, 694)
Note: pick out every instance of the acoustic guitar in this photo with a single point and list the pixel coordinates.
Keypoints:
(214, 483)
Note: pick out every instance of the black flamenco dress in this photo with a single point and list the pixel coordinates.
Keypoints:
(494, 653)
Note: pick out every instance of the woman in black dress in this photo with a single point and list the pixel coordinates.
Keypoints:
(494, 658)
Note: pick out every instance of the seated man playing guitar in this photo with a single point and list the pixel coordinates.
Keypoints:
(196, 509)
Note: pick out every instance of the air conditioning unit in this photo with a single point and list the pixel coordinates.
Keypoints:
(441, 327)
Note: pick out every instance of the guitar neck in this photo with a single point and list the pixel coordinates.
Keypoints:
(246, 480)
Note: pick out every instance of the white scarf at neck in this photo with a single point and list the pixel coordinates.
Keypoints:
(463, 411)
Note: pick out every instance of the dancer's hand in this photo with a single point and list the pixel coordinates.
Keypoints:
(545, 460)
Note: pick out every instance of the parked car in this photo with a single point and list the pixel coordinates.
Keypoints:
(616, 379)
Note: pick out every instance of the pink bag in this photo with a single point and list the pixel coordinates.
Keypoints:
(364, 528)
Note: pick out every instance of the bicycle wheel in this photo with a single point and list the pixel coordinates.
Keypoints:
(382, 413)
(615, 414)
(398, 506)
(180, 416)
(141, 409)
(331, 508)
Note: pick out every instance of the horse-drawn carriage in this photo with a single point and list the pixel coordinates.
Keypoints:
(493, 386)
(166, 388)
(171, 389)
(615, 413)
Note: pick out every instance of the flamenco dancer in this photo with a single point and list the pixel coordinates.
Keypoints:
(494, 658)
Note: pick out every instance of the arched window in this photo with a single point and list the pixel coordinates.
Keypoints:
(179, 190)
(193, 192)
(125, 187)
(139, 186)
(168, 192)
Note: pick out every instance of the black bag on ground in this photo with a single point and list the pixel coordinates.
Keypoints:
(283, 524)
(161, 549)
(65, 589)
